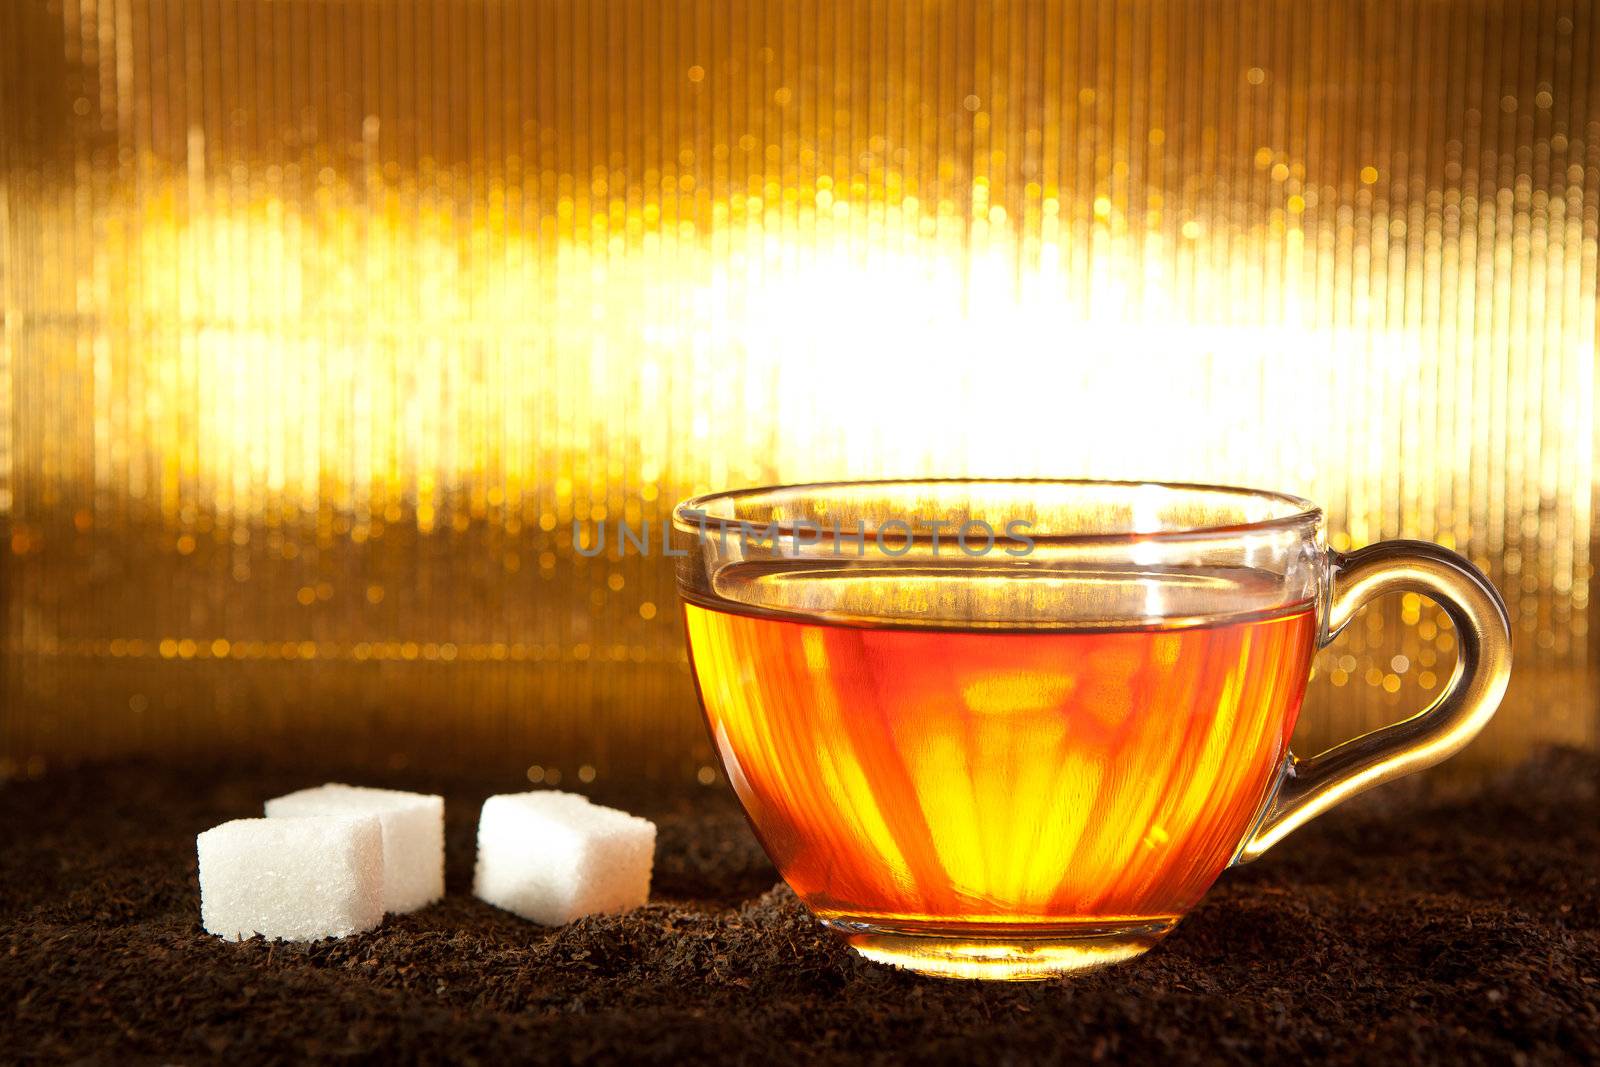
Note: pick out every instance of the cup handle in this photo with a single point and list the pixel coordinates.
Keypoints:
(1310, 787)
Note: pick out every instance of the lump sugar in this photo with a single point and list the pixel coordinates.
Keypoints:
(552, 857)
(293, 879)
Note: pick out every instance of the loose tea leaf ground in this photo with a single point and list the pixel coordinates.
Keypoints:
(1420, 924)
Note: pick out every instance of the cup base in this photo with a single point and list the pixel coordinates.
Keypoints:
(995, 954)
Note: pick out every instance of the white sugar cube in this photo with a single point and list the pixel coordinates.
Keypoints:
(291, 879)
(413, 835)
(553, 857)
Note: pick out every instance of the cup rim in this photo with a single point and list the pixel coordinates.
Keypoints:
(1304, 513)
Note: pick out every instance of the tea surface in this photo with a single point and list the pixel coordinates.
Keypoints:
(964, 777)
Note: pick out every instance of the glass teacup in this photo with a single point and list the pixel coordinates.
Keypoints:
(1010, 729)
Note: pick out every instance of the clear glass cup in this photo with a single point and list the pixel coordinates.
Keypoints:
(1011, 729)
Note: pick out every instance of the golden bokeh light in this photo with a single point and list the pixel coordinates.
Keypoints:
(324, 320)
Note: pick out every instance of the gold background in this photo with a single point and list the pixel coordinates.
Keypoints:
(324, 320)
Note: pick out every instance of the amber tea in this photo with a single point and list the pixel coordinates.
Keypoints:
(974, 776)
